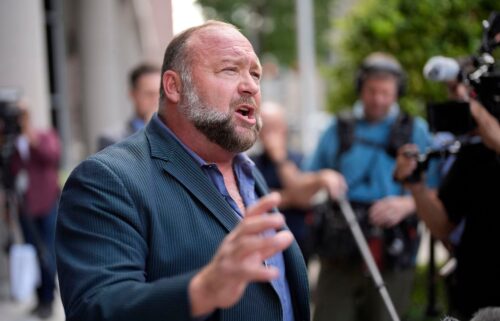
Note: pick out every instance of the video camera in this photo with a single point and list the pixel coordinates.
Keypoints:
(10, 128)
(481, 78)
(477, 72)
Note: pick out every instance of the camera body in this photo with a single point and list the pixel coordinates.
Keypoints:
(478, 73)
(10, 129)
(451, 116)
(9, 119)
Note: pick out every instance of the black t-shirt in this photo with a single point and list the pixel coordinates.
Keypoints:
(471, 191)
(295, 218)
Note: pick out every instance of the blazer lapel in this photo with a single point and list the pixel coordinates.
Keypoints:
(296, 270)
(174, 159)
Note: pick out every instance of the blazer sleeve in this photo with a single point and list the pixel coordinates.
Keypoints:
(102, 247)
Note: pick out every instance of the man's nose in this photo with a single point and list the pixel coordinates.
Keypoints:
(249, 85)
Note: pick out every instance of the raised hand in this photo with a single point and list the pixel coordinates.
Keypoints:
(240, 259)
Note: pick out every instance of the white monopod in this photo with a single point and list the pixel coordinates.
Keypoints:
(351, 220)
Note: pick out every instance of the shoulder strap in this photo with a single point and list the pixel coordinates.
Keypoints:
(400, 133)
(345, 130)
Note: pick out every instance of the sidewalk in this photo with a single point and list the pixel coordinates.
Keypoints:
(13, 311)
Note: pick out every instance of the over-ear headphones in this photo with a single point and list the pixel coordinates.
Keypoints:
(381, 63)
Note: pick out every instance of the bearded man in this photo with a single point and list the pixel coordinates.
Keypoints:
(174, 223)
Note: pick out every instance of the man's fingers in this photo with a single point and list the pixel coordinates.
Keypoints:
(250, 258)
(262, 273)
(406, 162)
(259, 224)
(264, 205)
(281, 242)
(265, 246)
(408, 150)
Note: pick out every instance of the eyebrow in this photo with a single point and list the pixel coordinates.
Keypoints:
(240, 60)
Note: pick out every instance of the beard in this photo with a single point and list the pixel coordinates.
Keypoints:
(218, 126)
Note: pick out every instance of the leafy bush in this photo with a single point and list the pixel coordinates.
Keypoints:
(413, 31)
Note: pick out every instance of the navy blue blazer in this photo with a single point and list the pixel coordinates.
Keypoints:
(136, 222)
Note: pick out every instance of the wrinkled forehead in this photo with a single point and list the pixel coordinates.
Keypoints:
(222, 42)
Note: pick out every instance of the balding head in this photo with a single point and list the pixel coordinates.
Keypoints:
(178, 56)
(211, 88)
(273, 118)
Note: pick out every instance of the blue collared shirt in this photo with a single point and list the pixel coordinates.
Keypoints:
(242, 166)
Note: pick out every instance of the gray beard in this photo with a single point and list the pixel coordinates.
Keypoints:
(217, 126)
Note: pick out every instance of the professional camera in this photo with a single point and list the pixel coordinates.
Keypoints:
(10, 128)
(477, 72)
(481, 78)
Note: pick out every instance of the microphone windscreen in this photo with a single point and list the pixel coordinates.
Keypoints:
(441, 68)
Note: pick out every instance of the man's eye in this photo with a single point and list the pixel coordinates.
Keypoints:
(256, 75)
(230, 70)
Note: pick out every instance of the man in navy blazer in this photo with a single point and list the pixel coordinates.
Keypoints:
(173, 223)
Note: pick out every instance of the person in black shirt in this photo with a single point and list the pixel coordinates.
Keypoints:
(280, 167)
(470, 191)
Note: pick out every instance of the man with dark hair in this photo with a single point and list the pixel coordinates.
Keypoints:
(362, 145)
(143, 92)
(168, 224)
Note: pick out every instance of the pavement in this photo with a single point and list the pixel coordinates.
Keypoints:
(20, 311)
(11, 310)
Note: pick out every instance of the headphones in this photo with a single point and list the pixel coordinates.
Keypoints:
(381, 63)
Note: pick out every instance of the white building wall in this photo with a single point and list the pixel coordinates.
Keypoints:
(23, 58)
(111, 41)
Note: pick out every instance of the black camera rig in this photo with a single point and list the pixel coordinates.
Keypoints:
(481, 76)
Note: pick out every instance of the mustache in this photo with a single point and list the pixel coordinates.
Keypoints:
(246, 100)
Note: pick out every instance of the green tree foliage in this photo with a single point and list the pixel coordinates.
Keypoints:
(411, 30)
(271, 25)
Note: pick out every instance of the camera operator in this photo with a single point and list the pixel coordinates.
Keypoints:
(362, 146)
(34, 168)
(470, 191)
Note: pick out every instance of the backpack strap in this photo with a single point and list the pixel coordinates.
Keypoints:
(399, 134)
(345, 130)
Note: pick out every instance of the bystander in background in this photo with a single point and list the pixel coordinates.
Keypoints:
(280, 166)
(143, 82)
(34, 166)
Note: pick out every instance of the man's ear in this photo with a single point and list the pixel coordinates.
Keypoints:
(172, 86)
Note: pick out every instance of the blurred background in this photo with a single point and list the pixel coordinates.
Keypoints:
(71, 58)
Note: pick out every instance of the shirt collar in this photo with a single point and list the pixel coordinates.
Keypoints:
(242, 160)
(136, 124)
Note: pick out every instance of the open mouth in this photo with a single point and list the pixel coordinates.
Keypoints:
(245, 111)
